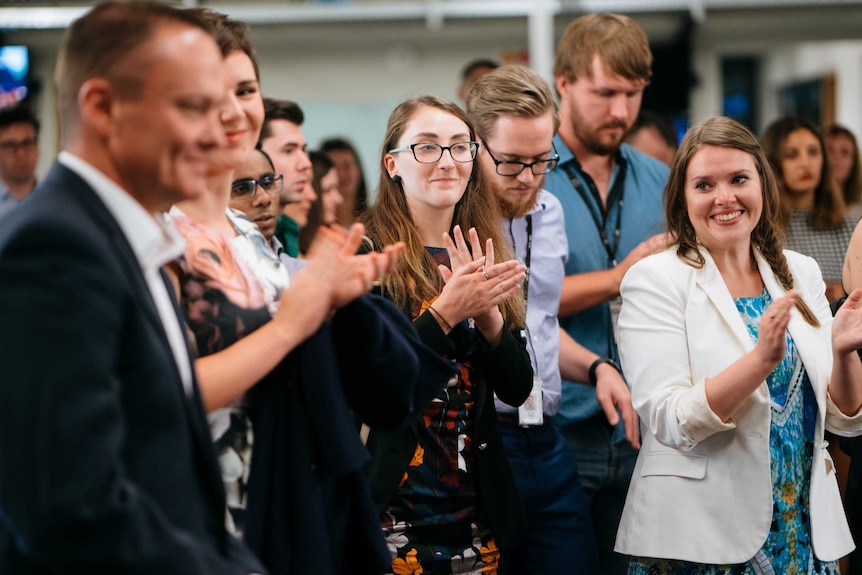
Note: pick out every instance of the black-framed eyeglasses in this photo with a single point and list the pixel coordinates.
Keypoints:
(245, 188)
(428, 152)
(13, 146)
(513, 168)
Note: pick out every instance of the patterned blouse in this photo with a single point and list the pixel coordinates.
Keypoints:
(827, 247)
(787, 550)
(229, 287)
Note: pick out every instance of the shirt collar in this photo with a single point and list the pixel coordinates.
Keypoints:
(5, 194)
(153, 239)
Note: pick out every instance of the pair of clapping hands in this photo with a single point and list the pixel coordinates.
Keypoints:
(335, 275)
(475, 285)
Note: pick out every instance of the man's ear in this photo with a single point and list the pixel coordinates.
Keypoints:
(561, 84)
(96, 102)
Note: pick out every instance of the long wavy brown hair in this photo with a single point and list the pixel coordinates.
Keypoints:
(415, 277)
(829, 210)
(727, 133)
(852, 189)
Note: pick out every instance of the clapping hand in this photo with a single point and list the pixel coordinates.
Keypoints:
(847, 325)
(476, 285)
(333, 276)
(771, 339)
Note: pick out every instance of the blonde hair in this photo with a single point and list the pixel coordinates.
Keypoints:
(617, 40)
(511, 90)
(415, 277)
(724, 132)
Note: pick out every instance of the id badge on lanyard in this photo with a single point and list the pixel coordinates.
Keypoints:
(530, 413)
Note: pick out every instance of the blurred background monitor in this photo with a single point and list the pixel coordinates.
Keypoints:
(14, 72)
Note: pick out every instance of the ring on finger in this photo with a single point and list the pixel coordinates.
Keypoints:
(484, 273)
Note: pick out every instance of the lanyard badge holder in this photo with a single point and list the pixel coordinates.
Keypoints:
(530, 413)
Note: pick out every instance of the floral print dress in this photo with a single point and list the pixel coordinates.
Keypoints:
(788, 549)
(433, 524)
(229, 288)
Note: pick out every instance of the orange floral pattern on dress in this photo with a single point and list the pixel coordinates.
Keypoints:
(490, 557)
(418, 457)
(407, 566)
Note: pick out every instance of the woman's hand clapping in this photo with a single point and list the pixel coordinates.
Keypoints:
(847, 326)
(476, 285)
(771, 340)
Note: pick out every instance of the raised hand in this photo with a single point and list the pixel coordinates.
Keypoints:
(847, 325)
(333, 276)
(771, 339)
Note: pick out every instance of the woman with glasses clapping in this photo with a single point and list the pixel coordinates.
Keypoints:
(443, 487)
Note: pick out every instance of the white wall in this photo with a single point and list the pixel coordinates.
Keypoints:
(349, 76)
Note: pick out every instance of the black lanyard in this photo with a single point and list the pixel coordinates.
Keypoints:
(615, 195)
(527, 257)
(529, 219)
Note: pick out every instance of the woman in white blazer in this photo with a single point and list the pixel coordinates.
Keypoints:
(736, 368)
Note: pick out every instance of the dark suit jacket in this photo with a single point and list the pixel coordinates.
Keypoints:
(504, 369)
(106, 465)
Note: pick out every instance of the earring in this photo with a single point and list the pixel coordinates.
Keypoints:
(395, 178)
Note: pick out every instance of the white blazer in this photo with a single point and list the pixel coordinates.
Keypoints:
(701, 489)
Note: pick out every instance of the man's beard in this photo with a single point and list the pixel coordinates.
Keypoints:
(518, 209)
(590, 139)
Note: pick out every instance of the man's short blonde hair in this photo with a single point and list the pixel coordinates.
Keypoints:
(511, 90)
(617, 40)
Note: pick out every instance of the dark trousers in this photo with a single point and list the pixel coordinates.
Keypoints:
(559, 539)
(605, 467)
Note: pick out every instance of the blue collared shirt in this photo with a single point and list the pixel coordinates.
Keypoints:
(8, 202)
(640, 217)
(547, 260)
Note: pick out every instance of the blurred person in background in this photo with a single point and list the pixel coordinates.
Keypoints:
(472, 71)
(19, 154)
(843, 151)
(351, 179)
(282, 139)
(324, 210)
(654, 135)
(813, 212)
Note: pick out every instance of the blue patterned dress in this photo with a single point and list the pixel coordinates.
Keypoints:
(787, 550)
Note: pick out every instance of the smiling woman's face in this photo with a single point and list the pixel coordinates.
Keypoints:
(241, 113)
(723, 196)
(431, 186)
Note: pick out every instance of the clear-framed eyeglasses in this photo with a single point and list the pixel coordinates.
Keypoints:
(513, 168)
(428, 152)
(245, 188)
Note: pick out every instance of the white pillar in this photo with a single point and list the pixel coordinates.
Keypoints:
(540, 36)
